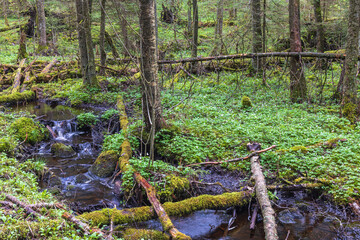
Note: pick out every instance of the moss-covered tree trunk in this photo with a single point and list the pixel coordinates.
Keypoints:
(349, 89)
(5, 9)
(102, 36)
(152, 110)
(87, 57)
(22, 53)
(189, 18)
(256, 33)
(41, 25)
(219, 29)
(298, 89)
(320, 35)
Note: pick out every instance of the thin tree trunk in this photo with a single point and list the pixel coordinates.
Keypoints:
(41, 25)
(256, 32)
(219, 28)
(349, 94)
(85, 44)
(264, 27)
(195, 33)
(320, 36)
(102, 37)
(124, 31)
(152, 110)
(298, 89)
(5, 9)
(189, 20)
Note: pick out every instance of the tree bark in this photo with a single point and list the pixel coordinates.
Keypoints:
(189, 18)
(102, 37)
(195, 33)
(87, 57)
(349, 94)
(151, 95)
(256, 32)
(41, 25)
(298, 89)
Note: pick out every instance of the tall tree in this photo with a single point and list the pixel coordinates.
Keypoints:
(256, 32)
(349, 89)
(152, 110)
(102, 36)
(87, 57)
(41, 25)
(298, 89)
(320, 35)
(218, 46)
(189, 18)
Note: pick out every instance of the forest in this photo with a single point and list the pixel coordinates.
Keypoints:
(179, 119)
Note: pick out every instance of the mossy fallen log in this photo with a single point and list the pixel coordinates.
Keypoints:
(135, 234)
(17, 97)
(187, 206)
(165, 220)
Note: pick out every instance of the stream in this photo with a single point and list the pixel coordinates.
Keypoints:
(300, 215)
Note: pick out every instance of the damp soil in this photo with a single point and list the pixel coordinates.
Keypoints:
(300, 215)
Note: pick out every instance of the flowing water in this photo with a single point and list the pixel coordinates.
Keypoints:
(299, 215)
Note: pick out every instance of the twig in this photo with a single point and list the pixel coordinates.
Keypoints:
(235, 159)
(51, 131)
(288, 234)
(253, 217)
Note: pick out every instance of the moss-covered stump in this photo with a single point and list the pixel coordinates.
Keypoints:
(25, 129)
(62, 150)
(105, 164)
(135, 234)
(17, 97)
(140, 214)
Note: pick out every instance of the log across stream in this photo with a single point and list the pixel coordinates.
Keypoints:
(299, 214)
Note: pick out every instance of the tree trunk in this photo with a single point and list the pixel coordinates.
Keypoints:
(85, 44)
(219, 29)
(41, 25)
(189, 20)
(320, 36)
(124, 31)
(22, 53)
(349, 94)
(152, 110)
(195, 33)
(298, 90)
(5, 8)
(102, 37)
(256, 32)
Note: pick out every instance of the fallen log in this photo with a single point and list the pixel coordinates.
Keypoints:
(17, 79)
(26, 82)
(262, 196)
(81, 225)
(235, 159)
(27, 209)
(17, 97)
(124, 164)
(181, 208)
(295, 187)
(257, 55)
(11, 27)
(135, 234)
(49, 66)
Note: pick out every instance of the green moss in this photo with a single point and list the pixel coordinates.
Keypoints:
(6, 145)
(62, 150)
(174, 186)
(105, 164)
(26, 129)
(246, 102)
(17, 97)
(135, 234)
(299, 148)
(349, 111)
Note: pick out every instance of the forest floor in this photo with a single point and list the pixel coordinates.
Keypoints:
(208, 119)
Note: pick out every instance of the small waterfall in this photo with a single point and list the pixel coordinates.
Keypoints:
(64, 130)
(85, 149)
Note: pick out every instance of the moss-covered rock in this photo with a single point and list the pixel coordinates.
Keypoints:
(62, 150)
(246, 102)
(25, 129)
(105, 164)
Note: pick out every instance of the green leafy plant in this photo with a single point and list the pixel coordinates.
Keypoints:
(86, 120)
